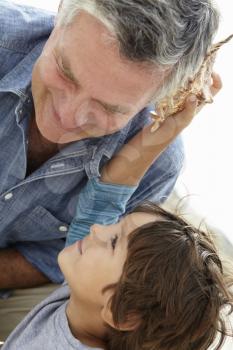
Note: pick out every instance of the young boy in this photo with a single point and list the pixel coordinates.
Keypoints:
(149, 281)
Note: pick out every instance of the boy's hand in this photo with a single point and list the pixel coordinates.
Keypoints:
(182, 119)
(144, 148)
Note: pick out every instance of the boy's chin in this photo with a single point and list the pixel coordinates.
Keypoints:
(66, 256)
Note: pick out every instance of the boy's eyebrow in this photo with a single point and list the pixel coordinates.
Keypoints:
(107, 106)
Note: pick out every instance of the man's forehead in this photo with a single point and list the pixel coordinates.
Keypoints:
(83, 46)
(67, 65)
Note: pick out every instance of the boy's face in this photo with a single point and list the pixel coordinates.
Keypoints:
(97, 261)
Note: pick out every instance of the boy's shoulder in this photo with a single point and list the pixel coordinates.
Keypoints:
(46, 326)
(44, 321)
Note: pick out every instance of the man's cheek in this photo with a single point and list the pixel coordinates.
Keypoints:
(100, 121)
(118, 123)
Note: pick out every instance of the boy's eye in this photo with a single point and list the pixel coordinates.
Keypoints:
(114, 241)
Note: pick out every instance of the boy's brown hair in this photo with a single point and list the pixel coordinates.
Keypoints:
(173, 280)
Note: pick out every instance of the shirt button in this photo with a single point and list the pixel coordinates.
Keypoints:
(63, 229)
(8, 196)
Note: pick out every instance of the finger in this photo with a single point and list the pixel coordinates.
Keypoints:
(216, 83)
(191, 104)
(184, 117)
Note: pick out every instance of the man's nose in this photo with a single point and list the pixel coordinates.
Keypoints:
(72, 110)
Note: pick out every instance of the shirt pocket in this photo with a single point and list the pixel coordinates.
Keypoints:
(38, 225)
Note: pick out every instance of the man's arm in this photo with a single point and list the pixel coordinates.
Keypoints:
(17, 272)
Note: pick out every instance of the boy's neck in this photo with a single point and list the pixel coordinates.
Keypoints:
(85, 324)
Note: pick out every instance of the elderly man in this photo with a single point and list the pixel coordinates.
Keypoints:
(71, 95)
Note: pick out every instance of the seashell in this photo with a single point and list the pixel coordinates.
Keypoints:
(198, 85)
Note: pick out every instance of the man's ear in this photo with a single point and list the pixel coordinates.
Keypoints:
(132, 320)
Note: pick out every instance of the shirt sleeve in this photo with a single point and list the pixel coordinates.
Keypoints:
(101, 203)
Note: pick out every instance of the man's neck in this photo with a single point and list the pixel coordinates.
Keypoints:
(37, 140)
(86, 324)
(39, 149)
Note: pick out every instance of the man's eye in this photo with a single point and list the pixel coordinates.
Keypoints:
(61, 70)
(114, 241)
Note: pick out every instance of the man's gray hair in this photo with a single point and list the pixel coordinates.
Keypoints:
(159, 33)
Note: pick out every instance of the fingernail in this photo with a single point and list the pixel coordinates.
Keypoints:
(192, 99)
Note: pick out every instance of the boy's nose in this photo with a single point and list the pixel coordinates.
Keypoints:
(98, 234)
(97, 230)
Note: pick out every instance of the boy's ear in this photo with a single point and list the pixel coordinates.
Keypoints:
(132, 320)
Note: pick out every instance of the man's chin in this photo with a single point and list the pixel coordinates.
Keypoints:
(63, 137)
(68, 137)
(46, 138)
(50, 135)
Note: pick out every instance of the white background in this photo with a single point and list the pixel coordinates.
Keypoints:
(208, 172)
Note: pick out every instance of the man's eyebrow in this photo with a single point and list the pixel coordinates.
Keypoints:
(107, 106)
(113, 108)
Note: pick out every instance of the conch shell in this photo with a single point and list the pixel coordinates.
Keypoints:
(199, 85)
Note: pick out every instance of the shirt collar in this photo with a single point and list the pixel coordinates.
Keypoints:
(18, 80)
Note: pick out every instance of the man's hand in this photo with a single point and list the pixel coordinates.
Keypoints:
(17, 272)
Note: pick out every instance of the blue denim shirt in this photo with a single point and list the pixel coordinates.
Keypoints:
(36, 210)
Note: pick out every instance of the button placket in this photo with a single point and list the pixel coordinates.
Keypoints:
(63, 228)
(8, 196)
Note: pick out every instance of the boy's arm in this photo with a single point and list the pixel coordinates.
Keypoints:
(104, 201)
(130, 164)
(98, 203)
(133, 160)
